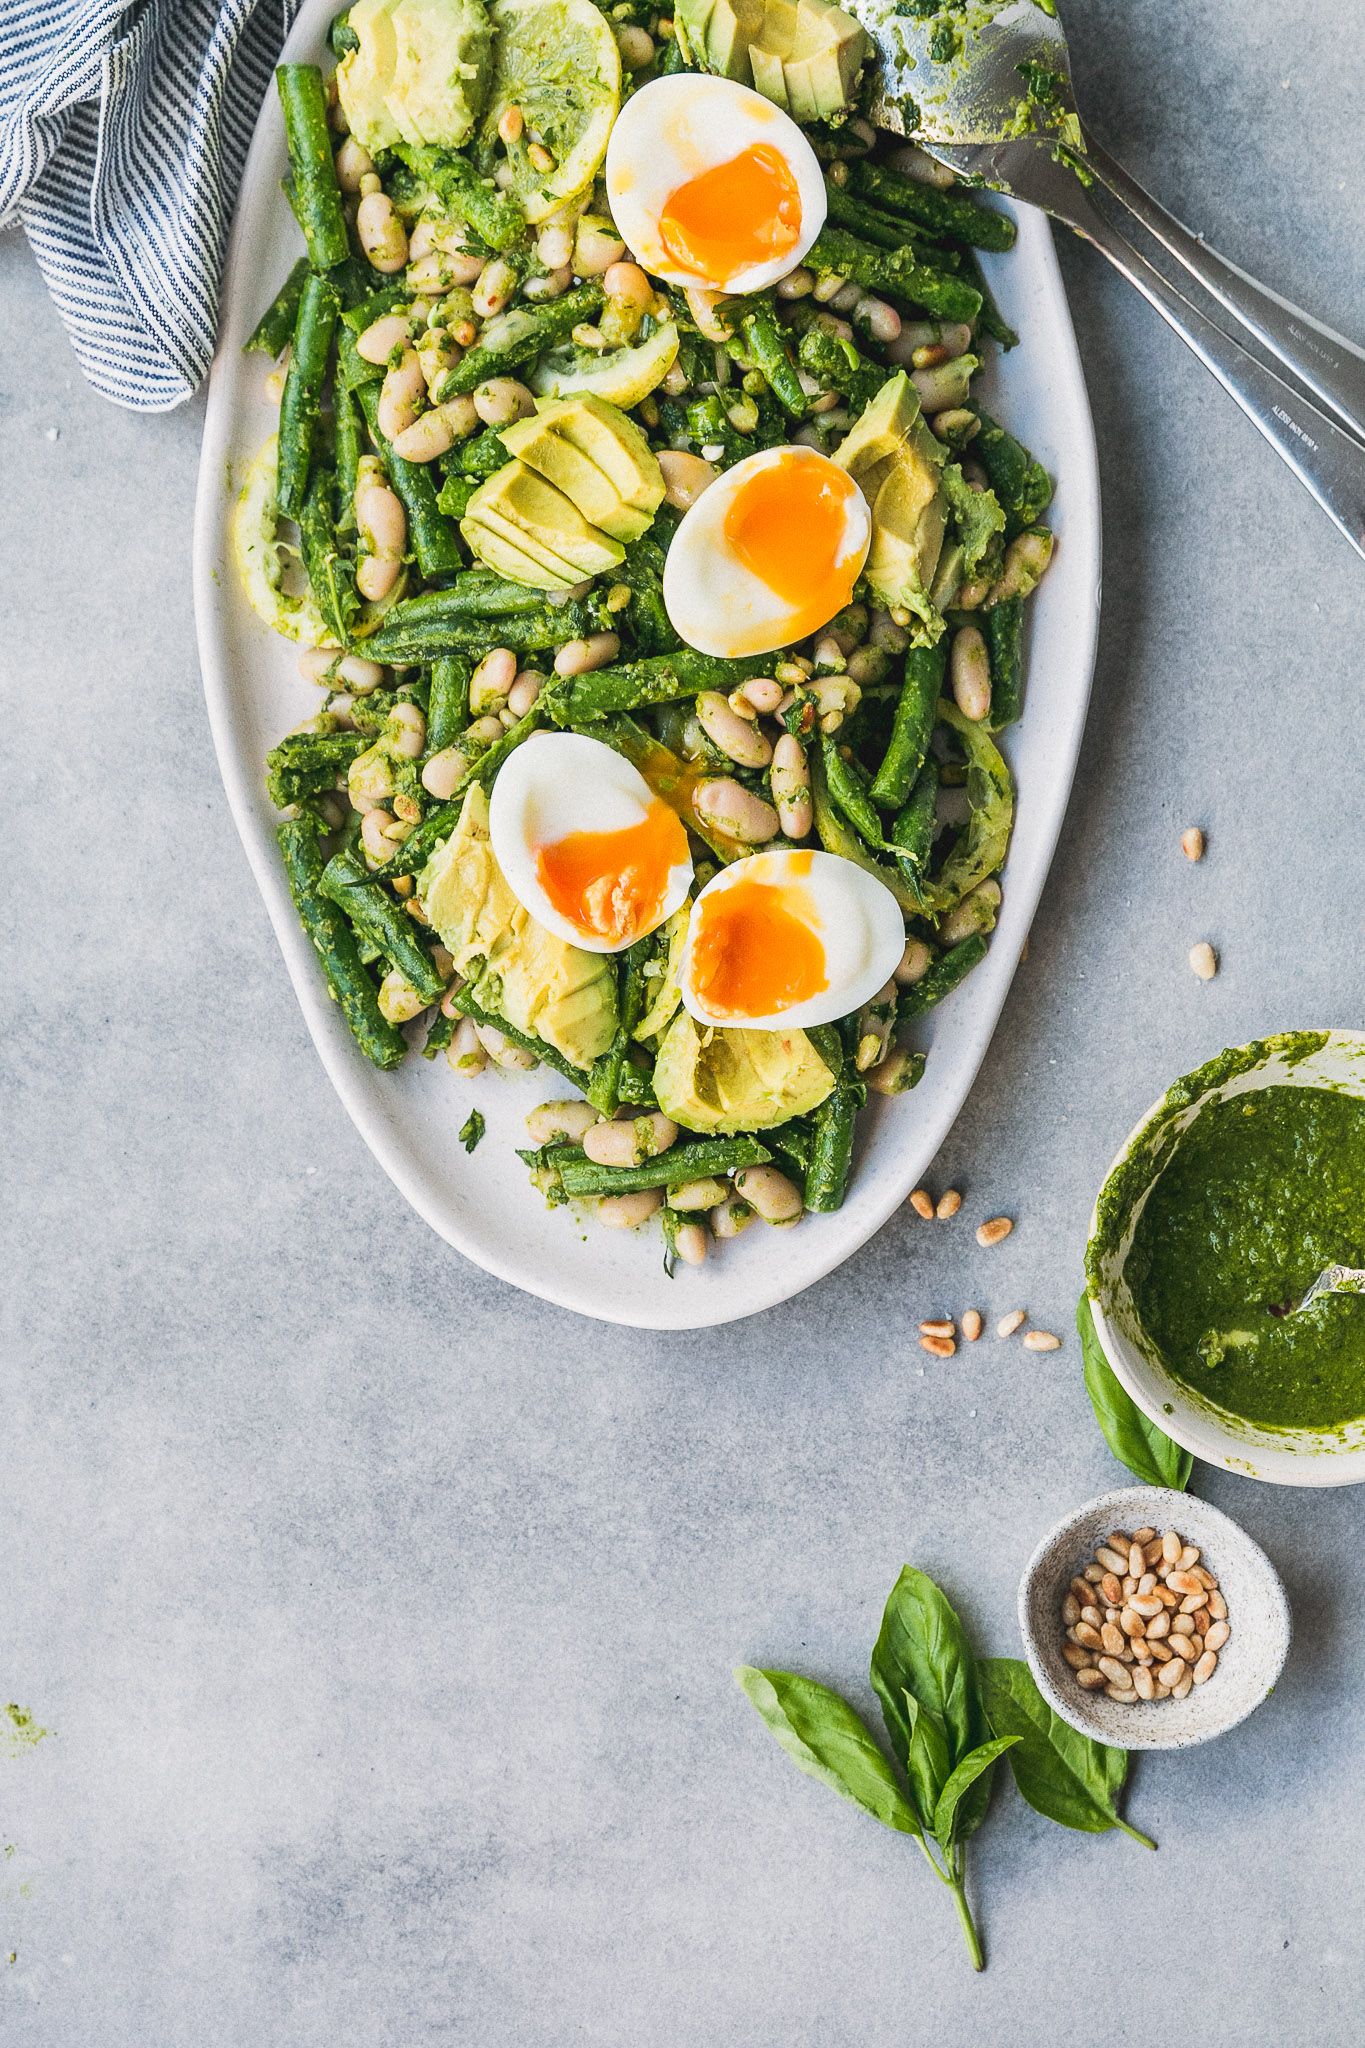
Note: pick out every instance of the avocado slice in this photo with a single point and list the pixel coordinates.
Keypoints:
(598, 457)
(542, 521)
(908, 522)
(731, 27)
(880, 430)
(733, 1080)
(823, 60)
(419, 74)
(491, 546)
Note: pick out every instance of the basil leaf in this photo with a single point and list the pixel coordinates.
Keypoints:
(1135, 1441)
(1066, 1776)
(827, 1740)
(922, 1652)
(967, 1774)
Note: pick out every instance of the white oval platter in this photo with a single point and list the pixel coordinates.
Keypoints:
(482, 1203)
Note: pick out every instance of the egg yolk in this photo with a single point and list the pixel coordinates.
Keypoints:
(754, 954)
(612, 885)
(735, 215)
(788, 526)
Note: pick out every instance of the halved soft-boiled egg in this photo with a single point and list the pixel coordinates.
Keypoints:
(788, 938)
(712, 185)
(585, 845)
(769, 553)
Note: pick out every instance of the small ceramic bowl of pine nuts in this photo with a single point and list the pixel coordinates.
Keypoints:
(1151, 1621)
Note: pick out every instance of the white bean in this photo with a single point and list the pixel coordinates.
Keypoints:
(433, 274)
(483, 732)
(381, 232)
(730, 1217)
(629, 1141)
(501, 1049)
(407, 730)
(444, 773)
(494, 287)
(970, 667)
(637, 47)
(426, 438)
(685, 477)
(975, 913)
(373, 827)
(689, 1241)
(596, 246)
(791, 787)
(555, 247)
(627, 1212)
(579, 657)
(797, 284)
(882, 322)
(763, 693)
(734, 736)
(734, 809)
(553, 285)
(945, 386)
(398, 999)
(698, 1194)
(464, 1053)
(524, 692)
(775, 1198)
(360, 676)
(895, 1074)
(491, 680)
(353, 163)
(914, 162)
(401, 396)
(382, 337)
(502, 400)
(628, 281)
(560, 1120)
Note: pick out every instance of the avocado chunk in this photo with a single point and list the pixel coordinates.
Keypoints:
(897, 463)
(419, 74)
(536, 517)
(730, 27)
(506, 558)
(536, 980)
(804, 55)
(598, 457)
(733, 1080)
(881, 428)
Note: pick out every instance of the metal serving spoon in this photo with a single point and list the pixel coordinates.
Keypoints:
(1214, 1345)
(1018, 129)
(1336, 1280)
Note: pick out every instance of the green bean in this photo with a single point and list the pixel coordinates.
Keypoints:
(341, 35)
(912, 834)
(276, 325)
(347, 437)
(533, 332)
(837, 365)
(330, 572)
(1004, 624)
(638, 1087)
(374, 913)
(832, 1148)
(448, 704)
(307, 763)
(848, 792)
(526, 632)
(900, 274)
(431, 535)
(792, 1145)
(990, 320)
(914, 722)
(657, 679)
(416, 850)
(860, 219)
(942, 213)
(943, 977)
(495, 216)
(838, 837)
(313, 330)
(697, 1160)
(477, 594)
(462, 1000)
(767, 344)
(1020, 482)
(827, 1042)
(335, 946)
(604, 1088)
(317, 196)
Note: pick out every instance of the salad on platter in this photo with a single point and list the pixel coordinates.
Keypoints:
(632, 507)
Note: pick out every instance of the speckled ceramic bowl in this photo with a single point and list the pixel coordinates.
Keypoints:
(1248, 1664)
(1288, 1457)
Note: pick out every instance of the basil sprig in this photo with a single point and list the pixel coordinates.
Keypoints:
(948, 1718)
(1136, 1442)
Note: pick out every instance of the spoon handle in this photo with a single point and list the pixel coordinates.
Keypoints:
(1325, 361)
(1328, 462)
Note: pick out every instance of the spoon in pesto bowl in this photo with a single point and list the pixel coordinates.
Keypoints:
(984, 86)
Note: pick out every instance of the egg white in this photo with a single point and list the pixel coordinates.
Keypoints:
(857, 920)
(717, 604)
(673, 130)
(557, 783)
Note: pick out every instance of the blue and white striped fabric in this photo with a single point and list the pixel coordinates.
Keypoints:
(124, 125)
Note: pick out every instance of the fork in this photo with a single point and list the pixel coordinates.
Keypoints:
(1019, 131)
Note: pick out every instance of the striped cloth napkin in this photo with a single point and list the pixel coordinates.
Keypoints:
(124, 125)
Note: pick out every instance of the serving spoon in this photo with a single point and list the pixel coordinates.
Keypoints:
(990, 96)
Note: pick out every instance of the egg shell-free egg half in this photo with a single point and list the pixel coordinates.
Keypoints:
(726, 233)
(839, 910)
(559, 785)
(809, 540)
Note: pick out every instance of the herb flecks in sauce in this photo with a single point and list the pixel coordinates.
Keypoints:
(1262, 1192)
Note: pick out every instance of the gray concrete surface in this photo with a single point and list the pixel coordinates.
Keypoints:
(383, 1618)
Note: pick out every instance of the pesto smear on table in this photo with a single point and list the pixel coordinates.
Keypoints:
(1262, 1192)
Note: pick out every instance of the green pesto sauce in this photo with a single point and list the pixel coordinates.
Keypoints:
(1262, 1191)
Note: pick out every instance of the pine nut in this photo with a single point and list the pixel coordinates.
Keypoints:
(940, 1347)
(1076, 1657)
(1161, 1651)
(1181, 1690)
(1120, 1540)
(1188, 1558)
(1166, 1676)
(1183, 1582)
(1144, 1685)
(1135, 1558)
(922, 1202)
(1116, 1673)
(1142, 1537)
(1218, 1607)
(940, 1329)
(1217, 1636)
(1132, 1624)
(1071, 1612)
(1192, 843)
(1205, 1668)
(1041, 1340)
(992, 1232)
(971, 1325)
(948, 1204)
(1112, 1588)
(1171, 1547)
(1204, 960)
(1093, 1573)
(1123, 1694)
(1111, 1635)
(1111, 1561)
(1091, 1679)
(1092, 1614)
(1083, 1591)
(1180, 1646)
(1159, 1625)
(1205, 1577)
(1147, 1588)
(1130, 1586)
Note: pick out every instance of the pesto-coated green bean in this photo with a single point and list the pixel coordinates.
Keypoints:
(463, 1001)
(832, 1148)
(317, 196)
(941, 213)
(697, 1160)
(604, 1088)
(276, 325)
(914, 722)
(912, 833)
(305, 764)
(448, 704)
(431, 535)
(495, 216)
(330, 572)
(767, 345)
(348, 441)
(376, 916)
(657, 679)
(1004, 624)
(942, 978)
(849, 794)
(533, 332)
(313, 330)
(335, 946)
(1019, 481)
(898, 273)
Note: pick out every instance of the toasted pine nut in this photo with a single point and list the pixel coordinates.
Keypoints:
(1091, 1679)
(1092, 1614)
(1111, 1635)
(1181, 1627)
(1217, 1636)
(922, 1202)
(948, 1204)
(1144, 1685)
(1085, 1632)
(1142, 1537)
(1071, 1611)
(1204, 960)
(1205, 1668)
(1188, 1558)
(1111, 1560)
(1146, 1604)
(1116, 1673)
(1132, 1623)
(1076, 1657)
(1171, 1547)
(971, 1324)
(941, 1347)
(940, 1329)
(1007, 1325)
(1181, 1689)
(1205, 1577)
(1135, 1558)
(1041, 1340)
(1166, 1675)
(992, 1232)
(1218, 1607)
(1083, 1591)
(1112, 1588)
(1183, 1582)
(1159, 1649)
(1192, 843)
(1093, 1573)
(1159, 1625)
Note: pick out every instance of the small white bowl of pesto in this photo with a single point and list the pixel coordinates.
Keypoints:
(1236, 1190)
